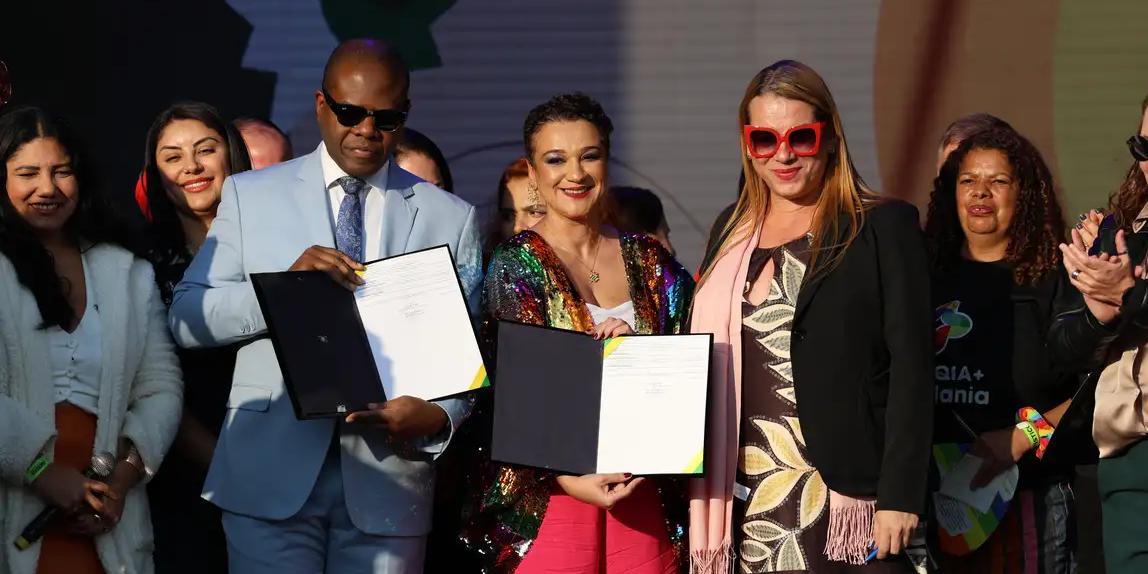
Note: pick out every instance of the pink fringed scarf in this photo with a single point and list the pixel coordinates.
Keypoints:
(716, 303)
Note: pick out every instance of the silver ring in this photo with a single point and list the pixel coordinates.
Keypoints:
(1075, 274)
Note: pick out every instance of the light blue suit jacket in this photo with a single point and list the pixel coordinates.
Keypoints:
(267, 461)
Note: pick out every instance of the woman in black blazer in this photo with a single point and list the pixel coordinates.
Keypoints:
(817, 292)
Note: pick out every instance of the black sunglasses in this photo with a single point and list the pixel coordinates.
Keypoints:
(350, 115)
(1138, 145)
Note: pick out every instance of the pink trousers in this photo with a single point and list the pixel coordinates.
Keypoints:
(578, 538)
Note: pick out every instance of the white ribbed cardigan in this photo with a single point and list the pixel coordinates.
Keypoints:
(141, 393)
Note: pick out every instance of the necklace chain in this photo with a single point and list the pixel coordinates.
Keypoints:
(593, 268)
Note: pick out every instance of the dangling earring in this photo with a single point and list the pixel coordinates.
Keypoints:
(532, 193)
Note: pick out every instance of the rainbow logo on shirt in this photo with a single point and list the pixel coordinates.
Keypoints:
(950, 324)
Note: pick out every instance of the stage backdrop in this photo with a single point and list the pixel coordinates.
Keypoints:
(1067, 73)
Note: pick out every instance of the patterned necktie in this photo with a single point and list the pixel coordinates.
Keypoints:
(349, 226)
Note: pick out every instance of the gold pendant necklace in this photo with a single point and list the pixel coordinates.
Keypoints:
(594, 276)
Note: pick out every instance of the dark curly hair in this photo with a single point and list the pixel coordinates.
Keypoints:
(1127, 202)
(94, 220)
(1037, 226)
(567, 108)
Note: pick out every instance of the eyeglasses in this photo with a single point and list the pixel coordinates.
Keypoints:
(351, 115)
(803, 140)
(1138, 145)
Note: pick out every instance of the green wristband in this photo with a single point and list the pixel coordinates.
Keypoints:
(1029, 432)
(35, 469)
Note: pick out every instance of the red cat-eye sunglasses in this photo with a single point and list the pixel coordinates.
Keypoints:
(803, 140)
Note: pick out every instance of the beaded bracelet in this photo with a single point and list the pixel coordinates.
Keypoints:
(35, 469)
(1044, 430)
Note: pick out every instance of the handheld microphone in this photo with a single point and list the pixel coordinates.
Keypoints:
(101, 468)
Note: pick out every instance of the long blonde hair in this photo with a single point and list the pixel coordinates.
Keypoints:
(844, 195)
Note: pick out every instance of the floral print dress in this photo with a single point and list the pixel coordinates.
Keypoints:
(781, 503)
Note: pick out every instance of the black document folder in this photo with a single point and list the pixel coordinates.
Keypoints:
(320, 342)
(568, 403)
(405, 331)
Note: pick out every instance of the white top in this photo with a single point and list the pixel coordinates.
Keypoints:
(625, 312)
(76, 357)
(372, 208)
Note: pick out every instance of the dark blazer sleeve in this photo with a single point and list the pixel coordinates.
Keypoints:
(908, 327)
(1077, 341)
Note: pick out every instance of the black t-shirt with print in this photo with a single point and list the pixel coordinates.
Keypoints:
(990, 342)
(974, 322)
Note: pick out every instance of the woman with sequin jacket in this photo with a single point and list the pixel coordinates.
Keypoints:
(571, 271)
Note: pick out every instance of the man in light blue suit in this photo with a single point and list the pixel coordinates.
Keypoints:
(326, 495)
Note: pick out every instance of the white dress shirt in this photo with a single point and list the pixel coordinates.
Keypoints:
(375, 201)
(76, 357)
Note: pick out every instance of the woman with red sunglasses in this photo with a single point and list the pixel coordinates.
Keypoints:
(817, 292)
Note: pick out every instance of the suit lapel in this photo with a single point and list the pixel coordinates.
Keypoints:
(816, 277)
(399, 212)
(312, 202)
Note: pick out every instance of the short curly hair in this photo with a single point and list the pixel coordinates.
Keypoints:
(1037, 226)
(567, 108)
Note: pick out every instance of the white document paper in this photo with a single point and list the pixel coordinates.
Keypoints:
(951, 515)
(418, 326)
(652, 418)
(956, 484)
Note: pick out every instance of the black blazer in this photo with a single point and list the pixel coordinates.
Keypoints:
(862, 357)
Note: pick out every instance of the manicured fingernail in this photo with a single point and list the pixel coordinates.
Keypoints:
(627, 475)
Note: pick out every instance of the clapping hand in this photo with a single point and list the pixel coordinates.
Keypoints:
(1089, 226)
(1102, 279)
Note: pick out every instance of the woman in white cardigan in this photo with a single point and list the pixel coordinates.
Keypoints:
(86, 365)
